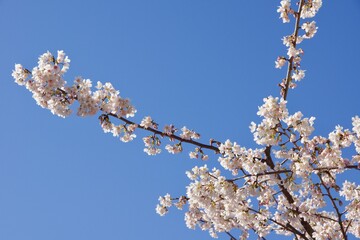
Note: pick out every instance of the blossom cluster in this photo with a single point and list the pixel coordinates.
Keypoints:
(166, 201)
(50, 90)
(47, 84)
(351, 192)
(308, 174)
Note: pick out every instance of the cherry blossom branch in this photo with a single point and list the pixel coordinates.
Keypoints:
(285, 192)
(356, 167)
(288, 226)
(349, 224)
(291, 60)
(171, 136)
(332, 199)
(325, 217)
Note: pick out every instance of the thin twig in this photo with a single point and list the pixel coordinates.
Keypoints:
(339, 215)
(291, 60)
(171, 136)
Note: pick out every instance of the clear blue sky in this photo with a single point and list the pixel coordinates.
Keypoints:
(205, 64)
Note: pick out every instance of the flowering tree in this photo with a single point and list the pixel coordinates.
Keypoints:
(288, 185)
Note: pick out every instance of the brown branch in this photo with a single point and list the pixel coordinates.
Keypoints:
(155, 131)
(291, 60)
(347, 227)
(288, 226)
(171, 136)
(271, 164)
(339, 215)
(325, 217)
(231, 236)
(290, 171)
(285, 192)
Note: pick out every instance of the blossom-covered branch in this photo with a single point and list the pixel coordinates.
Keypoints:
(287, 186)
(170, 134)
(51, 91)
(306, 9)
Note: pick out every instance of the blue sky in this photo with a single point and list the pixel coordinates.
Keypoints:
(205, 64)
